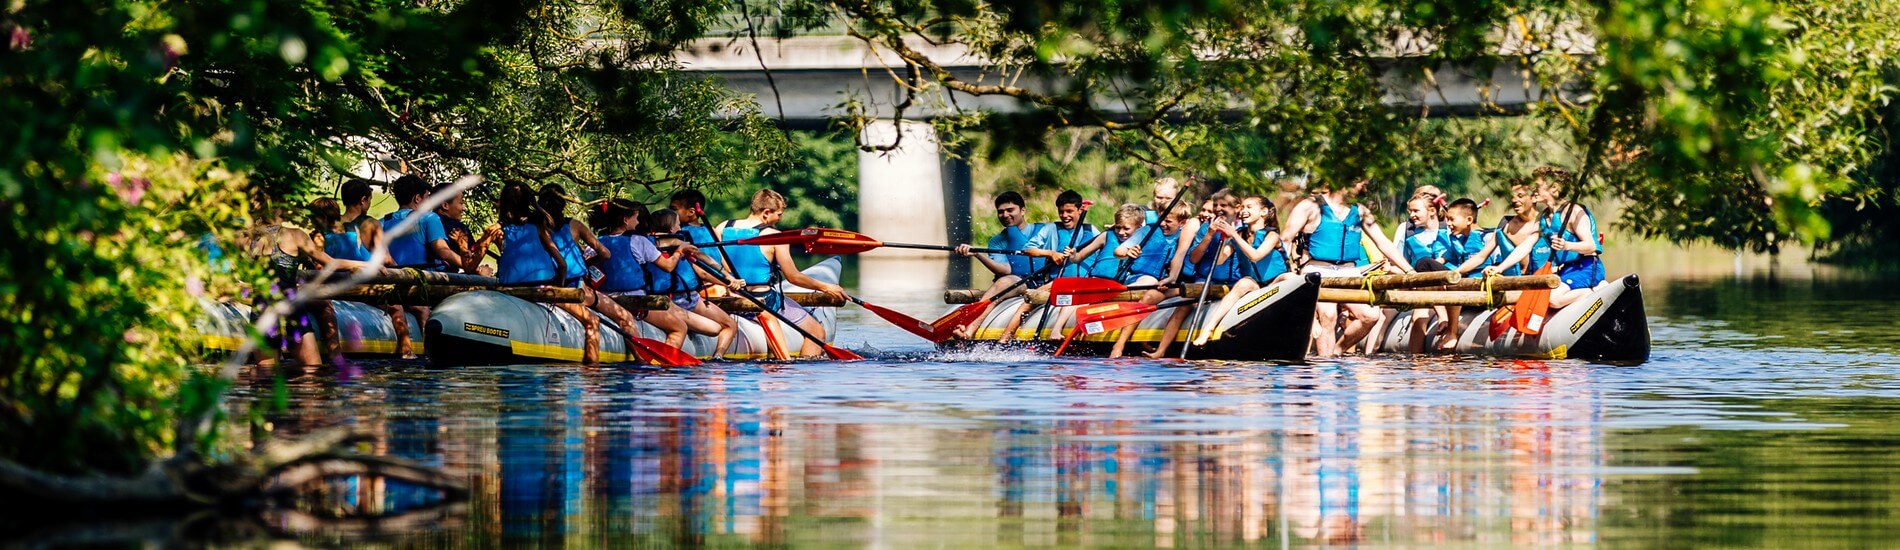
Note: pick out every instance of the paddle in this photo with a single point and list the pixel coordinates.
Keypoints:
(1532, 306)
(910, 324)
(1076, 291)
(1100, 318)
(1188, 341)
(820, 240)
(830, 350)
(659, 353)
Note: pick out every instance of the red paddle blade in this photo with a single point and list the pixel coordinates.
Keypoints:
(1532, 306)
(838, 241)
(1069, 291)
(1065, 342)
(909, 324)
(1102, 318)
(659, 353)
(1501, 321)
(839, 353)
(942, 328)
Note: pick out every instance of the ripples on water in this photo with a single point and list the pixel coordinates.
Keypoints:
(1747, 427)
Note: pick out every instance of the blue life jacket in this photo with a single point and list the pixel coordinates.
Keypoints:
(623, 272)
(1014, 238)
(347, 245)
(523, 260)
(1076, 238)
(1103, 262)
(1196, 270)
(564, 242)
(1554, 226)
(1336, 240)
(1540, 251)
(1416, 250)
(1159, 251)
(1270, 266)
(1463, 248)
(748, 262)
(680, 280)
(699, 234)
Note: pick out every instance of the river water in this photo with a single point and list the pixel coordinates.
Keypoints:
(1766, 417)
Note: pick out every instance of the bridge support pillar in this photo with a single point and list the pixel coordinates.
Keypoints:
(901, 191)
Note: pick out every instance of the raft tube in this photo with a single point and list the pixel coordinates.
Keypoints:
(1607, 326)
(1272, 323)
(490, 328)
(364, 329)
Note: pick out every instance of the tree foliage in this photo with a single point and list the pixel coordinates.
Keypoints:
(138, 129)
(1721, 120)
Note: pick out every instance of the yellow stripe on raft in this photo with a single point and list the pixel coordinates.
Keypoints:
(385, 347)
(1141, 335)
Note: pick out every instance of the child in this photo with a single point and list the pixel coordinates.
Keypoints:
(1008, 268)
(1262, 261)
(1329, 225)
(1099, 252)
(760, 268)
(1427, 249)
(1575, 246)
(665, 275)
(1159, 265)
(1053, 243)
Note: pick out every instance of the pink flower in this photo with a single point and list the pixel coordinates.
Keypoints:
(18, 38)
(131, 190)
(194, 286)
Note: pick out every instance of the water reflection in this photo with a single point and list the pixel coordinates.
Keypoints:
(1133, 454)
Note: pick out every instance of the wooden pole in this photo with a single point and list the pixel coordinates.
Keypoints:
(1525, 282)
(1413, 298)
(962, 295)
(392, 276)
(1388, 282)
(429, 295)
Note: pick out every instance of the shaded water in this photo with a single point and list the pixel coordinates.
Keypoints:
(1765, 418)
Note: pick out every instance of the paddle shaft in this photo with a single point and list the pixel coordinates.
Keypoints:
(952, 248)
(747, 294)
(1200, 314)
(1153, 228)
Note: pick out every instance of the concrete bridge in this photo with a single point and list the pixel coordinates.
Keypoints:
(920, 195)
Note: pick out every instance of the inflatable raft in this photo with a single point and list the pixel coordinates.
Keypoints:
(1606, 326)
(1269, 324)
(491, 328)
(364, 330)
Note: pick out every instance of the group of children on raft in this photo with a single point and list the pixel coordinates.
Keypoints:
(1239, 241)
(621, 249)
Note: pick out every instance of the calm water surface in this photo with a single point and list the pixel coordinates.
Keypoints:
(1765, 418)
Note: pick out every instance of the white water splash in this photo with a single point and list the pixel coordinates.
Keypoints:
(989, 353)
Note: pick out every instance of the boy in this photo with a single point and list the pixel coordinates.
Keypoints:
(690, 204)
(760, 268)
(426, 247)
(1571, 230)
(1016, 234)
(1054, 243)
(1159, 264)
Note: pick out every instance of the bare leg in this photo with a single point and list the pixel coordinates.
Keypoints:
(400, 323)
(1420, 319)
(1448, 341)
(1226, 304)
(331, 346)
(590, 350)
(1564, 295)
(995, 294)
(1364, 317)
(1327, 315)
(305, 349)
(606, 305)
(671, 321)
(1167, 335)
(726, 330)
(811, 349)
(1015, 322)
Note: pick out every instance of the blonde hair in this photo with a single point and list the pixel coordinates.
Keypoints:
(1181, 212)
(767, 200)
(1128, 212)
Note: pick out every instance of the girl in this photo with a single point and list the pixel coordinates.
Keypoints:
(1261, 260)
(345, 241)
(665, 274)
(539, 248)
(1427, 249)
(1328, 226)
(286, 248)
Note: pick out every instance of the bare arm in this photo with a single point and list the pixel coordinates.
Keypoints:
(583, 236)
(1580, 226)
(1182, 243)
(1490, 245)
(783, 255)
(1391, 252)
(1095, 243)
(1521, 253)
(547, 243)
(999, 269)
